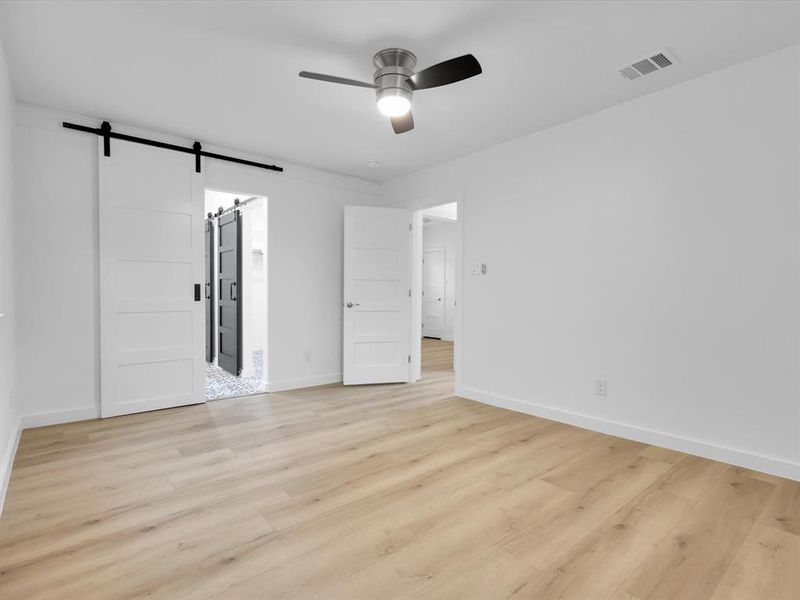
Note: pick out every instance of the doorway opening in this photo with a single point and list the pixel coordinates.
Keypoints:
(235, 294)
(437, 255)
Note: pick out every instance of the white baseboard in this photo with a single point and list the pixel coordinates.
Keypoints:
(8, 462)
(749, 460)
(303, 382)
(57, 417)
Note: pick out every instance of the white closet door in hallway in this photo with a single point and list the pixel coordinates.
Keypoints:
(433, 292)
(151, 257)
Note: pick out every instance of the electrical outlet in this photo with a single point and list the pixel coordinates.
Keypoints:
(600, 387)
(308, 355)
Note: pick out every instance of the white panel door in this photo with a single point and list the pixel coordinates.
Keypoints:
(377, 299)
(433, 290)
(151, 256)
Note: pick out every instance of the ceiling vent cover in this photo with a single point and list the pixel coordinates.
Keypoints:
(656, 62)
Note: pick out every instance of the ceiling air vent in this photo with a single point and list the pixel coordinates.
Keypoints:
(658, 61)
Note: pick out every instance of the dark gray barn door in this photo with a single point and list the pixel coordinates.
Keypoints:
(230, 308)
(209, 291)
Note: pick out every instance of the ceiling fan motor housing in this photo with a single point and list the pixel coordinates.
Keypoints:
(393, 69)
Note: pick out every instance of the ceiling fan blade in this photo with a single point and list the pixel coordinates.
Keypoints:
(404, 123)
(333, 79)
(446, 72)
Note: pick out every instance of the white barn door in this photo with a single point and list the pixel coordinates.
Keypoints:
(151, 256)
(377, 301)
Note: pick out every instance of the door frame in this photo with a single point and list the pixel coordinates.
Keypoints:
(415, 332)
(233, 183)
(210, 272)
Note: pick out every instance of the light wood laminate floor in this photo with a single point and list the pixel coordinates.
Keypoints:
(383, 492)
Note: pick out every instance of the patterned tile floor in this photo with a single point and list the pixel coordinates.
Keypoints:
(221, 384)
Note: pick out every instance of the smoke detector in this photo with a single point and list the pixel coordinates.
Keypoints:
(655, 62)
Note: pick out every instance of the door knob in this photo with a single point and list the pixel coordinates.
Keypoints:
(351, 305)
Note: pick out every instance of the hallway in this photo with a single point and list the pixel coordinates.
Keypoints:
(437, 357)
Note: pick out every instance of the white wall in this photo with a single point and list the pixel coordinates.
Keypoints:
(653, 244)
(443, 234)
(9, 413)
(254, 285)
(56, 247)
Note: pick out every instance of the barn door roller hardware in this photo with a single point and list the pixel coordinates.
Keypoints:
(105, 132)
(236, 204)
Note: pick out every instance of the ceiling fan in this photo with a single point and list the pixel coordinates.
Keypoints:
(395, 81)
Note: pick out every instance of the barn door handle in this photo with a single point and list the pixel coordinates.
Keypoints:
(230, 292)
(208, 290)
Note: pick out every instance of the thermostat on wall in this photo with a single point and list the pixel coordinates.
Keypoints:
(479, 268)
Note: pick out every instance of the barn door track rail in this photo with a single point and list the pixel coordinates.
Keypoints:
(105, 132)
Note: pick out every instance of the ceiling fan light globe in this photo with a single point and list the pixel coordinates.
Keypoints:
(394, 106)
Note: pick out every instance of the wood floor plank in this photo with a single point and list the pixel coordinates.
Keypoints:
(558, 531)
(142, 556)
(496, 574)
(765, 568)
(439, 551)
(389, 491)
(783, 510)
(692, 560)
(693, 477)
(629, 535)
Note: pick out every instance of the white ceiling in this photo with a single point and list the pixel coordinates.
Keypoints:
(226, 72)
(446, 212)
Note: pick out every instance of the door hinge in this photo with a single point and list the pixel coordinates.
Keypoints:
(409, 226)
(409, 293)
(409, 358)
